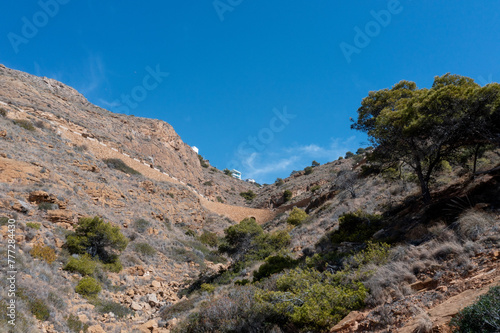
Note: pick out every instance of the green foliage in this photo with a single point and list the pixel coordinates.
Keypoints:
(141, 225)
(315, 188)
(97, 238)
(356, 227)
(423, 127)
(115, 266)
(203, 163)
(44, 252)
(31, 225)
(118, 164)
(227, 172)
(273, 265)
(287, 195)
(117, 309)
(349, 154)
(39, 309)
(83, 265)
(308, 170)
(24, 123)
(219, 199)
(279, 182)
(209, 238)
(313, 300)
(248, 241)
(4, 220)
(208, 183)
(47, 206)
(360, 151)
(75, 325)
(190, 233)
(315, 163)
(3, 112)
(144, 249)
(297, 216)
(207, 287)
(482, 316)
(248, 195)
(88, 287)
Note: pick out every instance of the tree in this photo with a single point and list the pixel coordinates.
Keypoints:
(228, 172)
(97, 238)
(346, 180)
(315, 163)
(308, 170)
(423, 127)
(287, 195)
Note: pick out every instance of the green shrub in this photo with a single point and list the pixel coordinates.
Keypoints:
(209, 238)
(83, 265)
(308, 170)
(3, 112)
(118, 164)
(47, 206)
(203, 163)
(315, 188)
(117, 309)
(39, 309)
(219, 199)
(75, 325)
(31, 225)
(207, 287)
(97, 238)
(349, 154)
(88, 287)
(482, 316)
(190, 233)
(228, 172)
(4, 220)
(44, 252)
(279, 182)
(239, 235)
(315, 163)
(273, 265)
(249, 195)
(297, 216)
(24, 123)
(177, 308)
(145, 249)
(141, 225)
(287, 195)
(313, 300)
(208, 183)
(356, 227)
(115, 266)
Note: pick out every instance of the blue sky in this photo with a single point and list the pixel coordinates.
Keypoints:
(262, 86)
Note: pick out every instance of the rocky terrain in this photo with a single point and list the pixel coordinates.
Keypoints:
(63, 159)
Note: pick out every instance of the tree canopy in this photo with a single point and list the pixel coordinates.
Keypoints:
(423, 127)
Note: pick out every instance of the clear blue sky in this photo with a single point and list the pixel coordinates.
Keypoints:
(232, 62)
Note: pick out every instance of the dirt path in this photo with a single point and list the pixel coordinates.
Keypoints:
(104, 150)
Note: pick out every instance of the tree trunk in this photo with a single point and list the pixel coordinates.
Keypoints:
(424, 185)
(476, 152)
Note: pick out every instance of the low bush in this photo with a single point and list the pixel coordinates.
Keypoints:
(118, 164)
(75, 325)
(209, 238)
(3, 112)
(207, 287)
(356, 227)
(203, 163)
(315, 188)
(296, 217)
(249, 195)
(117, 309)
(88, 287)
(39, 309)
(279, 182)
(482, 316)
(83, 265)
(141, 225)
(308, 170)
(47, 206)
(43, 252)
(208, 183)
(273, 265)
(31, 225)
(287, 195)
(219, 199)
(144, 249)
(24, 123)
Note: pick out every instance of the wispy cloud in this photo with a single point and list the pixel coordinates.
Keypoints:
(95, 76)
(266, 166)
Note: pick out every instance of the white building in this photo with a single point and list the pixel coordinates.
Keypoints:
(236, 174)
(250, 180)
(196, 150)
